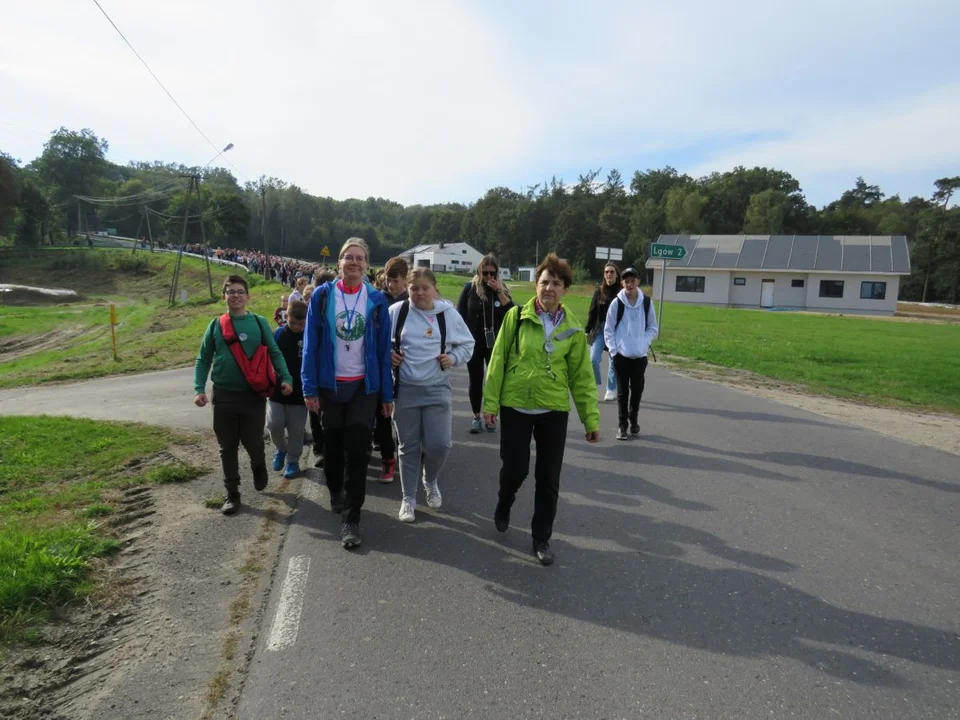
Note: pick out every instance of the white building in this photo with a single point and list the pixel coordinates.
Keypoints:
(823, 273)
(444, 257)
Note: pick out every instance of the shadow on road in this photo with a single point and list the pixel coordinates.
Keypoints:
(740, 415)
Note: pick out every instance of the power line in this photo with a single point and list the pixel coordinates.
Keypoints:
(154, 75)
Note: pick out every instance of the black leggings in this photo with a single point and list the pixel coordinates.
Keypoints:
(630, 372)
(346, 448)
(476, 367)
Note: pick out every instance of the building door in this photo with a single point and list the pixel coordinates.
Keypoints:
(766, 293)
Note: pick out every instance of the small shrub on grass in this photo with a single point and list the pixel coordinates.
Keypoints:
(173, 474)
(215, 502)
(97, 510)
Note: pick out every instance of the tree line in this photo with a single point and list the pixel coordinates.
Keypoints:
(39, 204)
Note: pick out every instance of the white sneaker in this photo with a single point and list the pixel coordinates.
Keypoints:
(610, 396)
(433, 495)
(407, 508)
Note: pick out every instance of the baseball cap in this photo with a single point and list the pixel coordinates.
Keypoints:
(630, 271)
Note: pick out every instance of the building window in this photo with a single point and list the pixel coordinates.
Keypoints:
(831, 288)
(691, 283)
(738, 281)
(796, 283)
(873, 290)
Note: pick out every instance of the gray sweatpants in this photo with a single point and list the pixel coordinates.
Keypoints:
(423, 417)
(286, 424)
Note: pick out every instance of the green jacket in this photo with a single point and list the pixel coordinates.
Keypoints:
(530, 380)
(226, 373)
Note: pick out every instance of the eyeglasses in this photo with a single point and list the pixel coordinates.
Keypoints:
(489, 273)
(354, 258)
(234, 293)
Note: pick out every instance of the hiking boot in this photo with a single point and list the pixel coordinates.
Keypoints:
(260, 477)
(622, 432)
(387, 470)
(338, 501)
(541, 548)
(501, 518)
(476, 426)
(407, 510)
(291, 470)
(278, 457)
(433, 495)
(350, 535)
(610, 396)
(634, 427)
(231, 504)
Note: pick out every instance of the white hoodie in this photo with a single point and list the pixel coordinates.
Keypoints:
(632, 339)
(420, 342)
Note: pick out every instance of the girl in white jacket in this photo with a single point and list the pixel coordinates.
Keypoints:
(429, 338)
(630, 328)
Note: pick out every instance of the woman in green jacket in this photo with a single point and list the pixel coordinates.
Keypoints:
(539, 360)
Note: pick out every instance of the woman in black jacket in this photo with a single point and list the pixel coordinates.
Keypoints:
(602, 297)
(483, 303)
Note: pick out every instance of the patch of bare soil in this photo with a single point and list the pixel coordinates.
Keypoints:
(17, 346)
(929, 429)
(173, 623)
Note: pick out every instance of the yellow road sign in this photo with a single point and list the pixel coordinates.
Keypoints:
(325, 252)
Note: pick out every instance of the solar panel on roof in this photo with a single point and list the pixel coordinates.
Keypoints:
(856, 254)
(703, 257)
(752, 254)
(901, 255)
(803, 253)
(778, 252)
(881, 260)
(726, 260)
(829, 253)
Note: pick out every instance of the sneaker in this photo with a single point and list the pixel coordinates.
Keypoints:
(338, 501)
(407, 508)
(476, 426)
(622, 432)
(291, 470)
(231, 504)
(433, 495)
(387, 470)
(610, 396)
(350, 535)
(501, 518)
(260, 477)
(634, 428)
(278, 457)
(541, 549)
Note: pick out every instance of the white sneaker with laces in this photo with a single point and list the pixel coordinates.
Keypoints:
(433, 495)
(610, 396)
(407, 510)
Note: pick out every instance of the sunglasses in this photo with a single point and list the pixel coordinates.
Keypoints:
(489, 273)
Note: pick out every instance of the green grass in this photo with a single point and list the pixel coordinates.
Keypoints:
(57, 477)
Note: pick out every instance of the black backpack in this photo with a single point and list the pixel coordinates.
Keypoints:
(401, 319)
(621, 308)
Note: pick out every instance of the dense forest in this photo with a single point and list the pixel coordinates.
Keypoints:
(72, 186)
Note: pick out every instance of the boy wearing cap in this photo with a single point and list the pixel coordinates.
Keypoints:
(630, 328)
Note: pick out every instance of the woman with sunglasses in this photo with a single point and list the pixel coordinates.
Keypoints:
(346, 371)
(539, 361)
(483, 303)
(596, 318)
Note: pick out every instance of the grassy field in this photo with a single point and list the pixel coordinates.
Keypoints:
(59, 477)
(897, 363)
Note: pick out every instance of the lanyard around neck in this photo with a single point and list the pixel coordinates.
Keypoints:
(351, 313)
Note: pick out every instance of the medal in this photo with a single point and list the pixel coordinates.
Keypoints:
(548, 346)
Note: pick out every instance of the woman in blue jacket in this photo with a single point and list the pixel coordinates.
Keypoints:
(346, 371)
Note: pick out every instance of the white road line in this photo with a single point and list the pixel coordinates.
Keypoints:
(286, 624)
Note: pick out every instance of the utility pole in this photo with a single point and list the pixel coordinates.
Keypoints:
(263, 230)
(146, 211)
(193, 183)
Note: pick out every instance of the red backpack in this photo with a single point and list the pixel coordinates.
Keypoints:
(258, 370)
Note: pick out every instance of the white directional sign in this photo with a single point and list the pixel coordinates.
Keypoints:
(607, 253)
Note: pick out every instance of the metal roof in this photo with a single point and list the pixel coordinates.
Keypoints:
(803, 253)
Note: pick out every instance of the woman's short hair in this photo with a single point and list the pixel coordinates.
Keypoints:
(558, 268)
(355, 242)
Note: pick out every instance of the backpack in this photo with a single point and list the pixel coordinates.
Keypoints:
(401, 319)
(621, 308)
(258, 370)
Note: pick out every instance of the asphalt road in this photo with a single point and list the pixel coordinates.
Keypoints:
(740, 559)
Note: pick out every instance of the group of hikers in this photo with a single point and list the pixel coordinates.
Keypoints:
(357, 366)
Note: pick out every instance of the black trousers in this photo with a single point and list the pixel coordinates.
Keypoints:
(383, 435)
(476, 367)
(346, 447)
(316, 429)
(549, 432)
(238, 419)
(630, 372)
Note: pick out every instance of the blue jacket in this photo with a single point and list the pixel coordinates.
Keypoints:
(319, 370)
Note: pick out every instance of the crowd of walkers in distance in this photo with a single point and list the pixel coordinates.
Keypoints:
(360, 363)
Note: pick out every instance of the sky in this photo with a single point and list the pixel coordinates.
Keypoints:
(424, 101)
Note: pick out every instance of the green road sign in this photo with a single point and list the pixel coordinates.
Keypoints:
(667, 252)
